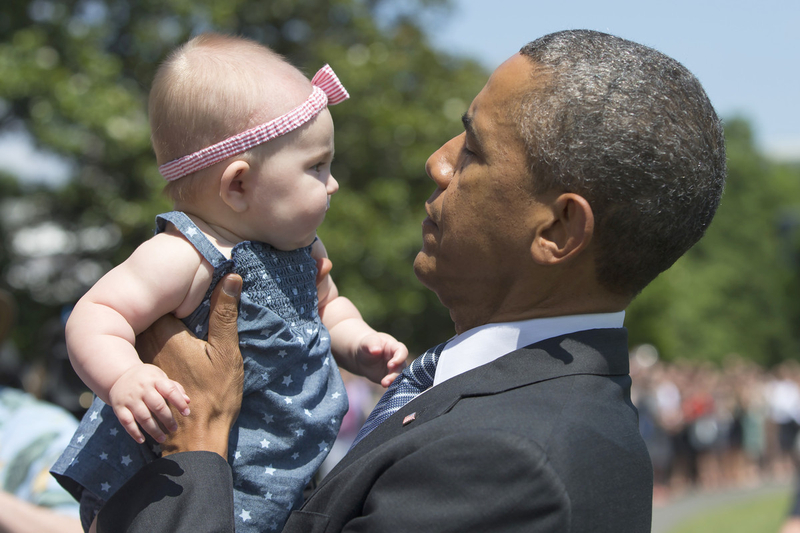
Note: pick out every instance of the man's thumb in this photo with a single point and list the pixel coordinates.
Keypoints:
(222, 325)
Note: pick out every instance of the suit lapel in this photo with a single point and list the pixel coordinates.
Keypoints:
(598, 352)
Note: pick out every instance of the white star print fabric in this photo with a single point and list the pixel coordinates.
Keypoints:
(294, 398)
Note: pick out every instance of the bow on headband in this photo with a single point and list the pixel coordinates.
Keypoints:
(327, 90)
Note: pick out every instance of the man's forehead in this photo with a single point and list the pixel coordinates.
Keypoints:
(494, 108)
(506, 86)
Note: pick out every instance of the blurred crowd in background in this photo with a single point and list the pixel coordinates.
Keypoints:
(716, 426)
(707, 426)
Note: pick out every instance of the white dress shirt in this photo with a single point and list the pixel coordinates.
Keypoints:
(486, 343)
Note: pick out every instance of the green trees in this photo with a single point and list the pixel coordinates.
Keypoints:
(735, 291)
(75, 74)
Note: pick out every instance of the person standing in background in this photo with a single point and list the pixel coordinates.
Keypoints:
(33, 434)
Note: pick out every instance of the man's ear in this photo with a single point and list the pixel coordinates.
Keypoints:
(568, 232)
(233, 185)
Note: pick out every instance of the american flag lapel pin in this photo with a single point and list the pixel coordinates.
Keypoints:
(410, 418)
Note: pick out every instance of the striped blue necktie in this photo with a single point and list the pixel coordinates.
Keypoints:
(414, 379)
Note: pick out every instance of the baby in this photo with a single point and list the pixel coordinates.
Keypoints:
(248, 198)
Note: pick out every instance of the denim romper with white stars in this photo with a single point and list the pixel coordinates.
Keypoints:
(294, 397)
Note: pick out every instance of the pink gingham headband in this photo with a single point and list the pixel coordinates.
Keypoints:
(327, 90)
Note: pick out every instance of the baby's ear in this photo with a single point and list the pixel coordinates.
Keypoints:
(232, 185)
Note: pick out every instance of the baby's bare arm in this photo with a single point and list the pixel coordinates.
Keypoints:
(102, 328)
(357, 347)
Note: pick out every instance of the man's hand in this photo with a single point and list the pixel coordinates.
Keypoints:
(212, 373)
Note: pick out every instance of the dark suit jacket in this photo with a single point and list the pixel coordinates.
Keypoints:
(542, 439)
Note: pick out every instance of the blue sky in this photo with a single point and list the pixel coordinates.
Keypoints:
(746, 54)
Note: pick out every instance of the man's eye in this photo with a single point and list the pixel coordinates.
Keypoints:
(467, 152)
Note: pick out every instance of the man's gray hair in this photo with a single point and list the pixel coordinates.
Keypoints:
(633, 132)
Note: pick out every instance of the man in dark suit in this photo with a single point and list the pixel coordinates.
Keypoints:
(588, 165)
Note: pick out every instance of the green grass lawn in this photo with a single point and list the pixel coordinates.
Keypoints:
(760, 515)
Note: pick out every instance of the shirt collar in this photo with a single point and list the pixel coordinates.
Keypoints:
(486, 343)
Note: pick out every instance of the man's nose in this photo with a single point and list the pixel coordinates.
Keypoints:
(440, 164)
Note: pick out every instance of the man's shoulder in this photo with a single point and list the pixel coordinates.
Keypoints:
(525, 441)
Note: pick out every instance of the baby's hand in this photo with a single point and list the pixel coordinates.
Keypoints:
(381, 358)
(139, 394)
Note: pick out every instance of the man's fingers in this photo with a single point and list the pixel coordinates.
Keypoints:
(211, 373)
(223, 335)
(222, 327)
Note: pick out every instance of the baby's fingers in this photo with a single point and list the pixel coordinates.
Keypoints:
(150, 425)
(389, 379)
(183, 391)
(128, 421)
(173, 392)
(398, 360)
(158, 412)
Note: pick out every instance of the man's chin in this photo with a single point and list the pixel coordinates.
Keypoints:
(424, 267)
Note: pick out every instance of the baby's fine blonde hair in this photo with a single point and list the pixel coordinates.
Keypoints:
(210, 88)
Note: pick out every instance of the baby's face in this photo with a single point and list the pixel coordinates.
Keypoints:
(294, 185)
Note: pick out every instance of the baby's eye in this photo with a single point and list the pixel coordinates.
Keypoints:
(316, 168)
